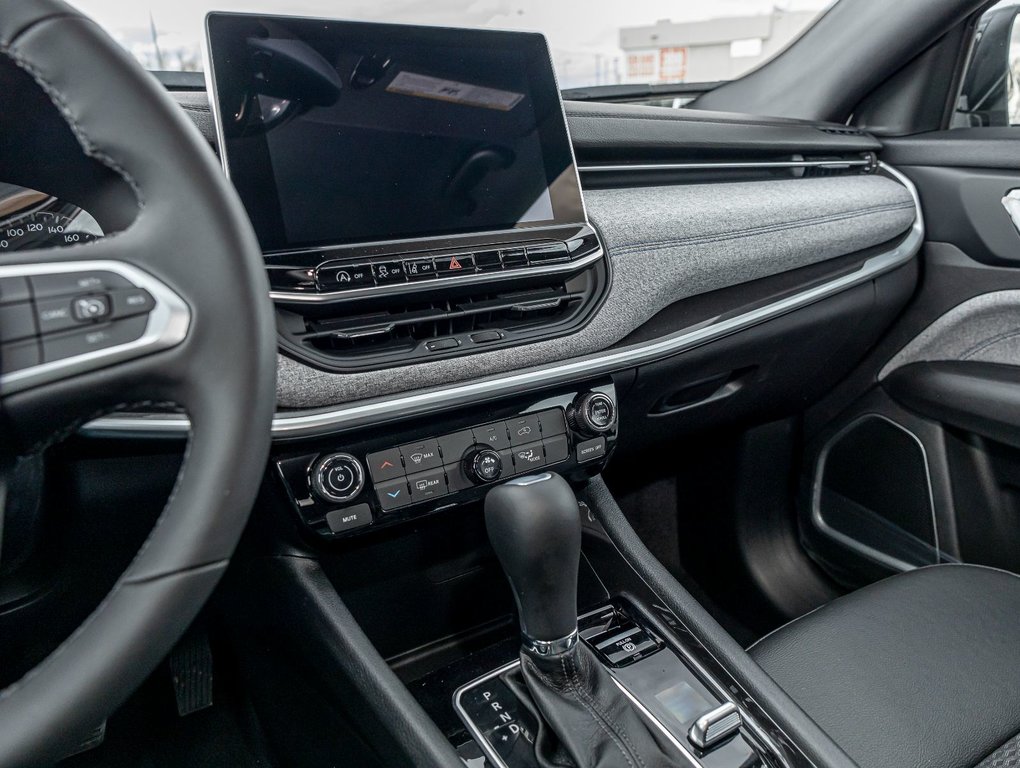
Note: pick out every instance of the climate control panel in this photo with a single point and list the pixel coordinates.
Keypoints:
(375, 483)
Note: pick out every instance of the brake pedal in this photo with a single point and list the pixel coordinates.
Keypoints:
(191, 667)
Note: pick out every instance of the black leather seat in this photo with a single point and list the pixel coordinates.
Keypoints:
(921, 670)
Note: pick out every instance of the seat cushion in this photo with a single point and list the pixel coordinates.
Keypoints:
(921, 670)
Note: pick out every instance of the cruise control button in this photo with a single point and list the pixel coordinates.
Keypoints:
(386, 272)
(90, 339)
(384, 465)
(14, 289)
(392, 494)
(419, 269)
(55, 315)
(343, 520)
(419, 456)
(427, 485)
(17, 321)
(130, 301)
(47, 286)
(19, 355)
(528, 457)
(556, 448)
(591, 449)
(450, 266)
(524, 429)
(85, 308)
(492, 435)
(346, 276)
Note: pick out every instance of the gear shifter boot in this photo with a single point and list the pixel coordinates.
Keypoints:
(585, 719)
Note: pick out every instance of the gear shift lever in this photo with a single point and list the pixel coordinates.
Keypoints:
(535, 528)
(584, 719)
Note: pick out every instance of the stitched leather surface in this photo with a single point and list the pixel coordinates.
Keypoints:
(586, 720)
(918, 670)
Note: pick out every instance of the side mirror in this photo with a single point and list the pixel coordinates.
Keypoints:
(989, 94)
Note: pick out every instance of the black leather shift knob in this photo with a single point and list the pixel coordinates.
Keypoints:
(535, 528)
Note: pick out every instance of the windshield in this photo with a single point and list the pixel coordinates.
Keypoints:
(594, 42)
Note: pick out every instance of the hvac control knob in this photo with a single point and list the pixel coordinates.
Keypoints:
(483, 465)
(593, 414)
(337, 477)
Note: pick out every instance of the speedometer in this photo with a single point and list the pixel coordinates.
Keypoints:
(32, 219)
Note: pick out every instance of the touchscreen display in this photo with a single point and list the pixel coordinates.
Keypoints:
(346, 132)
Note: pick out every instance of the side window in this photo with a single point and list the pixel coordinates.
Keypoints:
(990, 91)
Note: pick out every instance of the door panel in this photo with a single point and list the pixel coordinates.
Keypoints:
(931, 419)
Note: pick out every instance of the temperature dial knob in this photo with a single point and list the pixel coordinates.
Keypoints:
(338, 477)
(483, 465)
(593, 414)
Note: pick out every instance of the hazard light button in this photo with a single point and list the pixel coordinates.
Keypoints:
(451, 265)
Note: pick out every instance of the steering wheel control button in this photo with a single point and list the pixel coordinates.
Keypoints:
(386, 272)
(590, 450)
(492, 435)
(392, 494)
(350, 518)
(19, 356)
(427, 485)
(55, 315)
(17, 321)
(337, 477)
(88, 308)
(556, 448)
(70, 283)
(14, 289)
(421, 456)
(552, 422)
(529, 457)
(484, 466)
(525, 429)
(593, 414)
(342, 277)
(385, 465)
(64, 345)
(131, 301)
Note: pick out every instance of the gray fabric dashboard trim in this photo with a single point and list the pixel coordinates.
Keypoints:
(985, 329)
(665, 244)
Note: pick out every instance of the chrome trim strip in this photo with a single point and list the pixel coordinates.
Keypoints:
(167, 325)
(357, 414)
(765, 164)
(549, 647)
(416, 287)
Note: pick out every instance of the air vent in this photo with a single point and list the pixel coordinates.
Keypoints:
(352, 336)
(842, 130)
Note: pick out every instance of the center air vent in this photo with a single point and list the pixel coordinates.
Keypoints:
(373, 334)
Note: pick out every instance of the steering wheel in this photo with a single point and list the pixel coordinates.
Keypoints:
(201, 335)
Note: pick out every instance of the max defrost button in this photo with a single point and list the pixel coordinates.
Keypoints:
(420, 456)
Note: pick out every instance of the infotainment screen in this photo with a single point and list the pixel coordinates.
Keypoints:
(340, 132)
